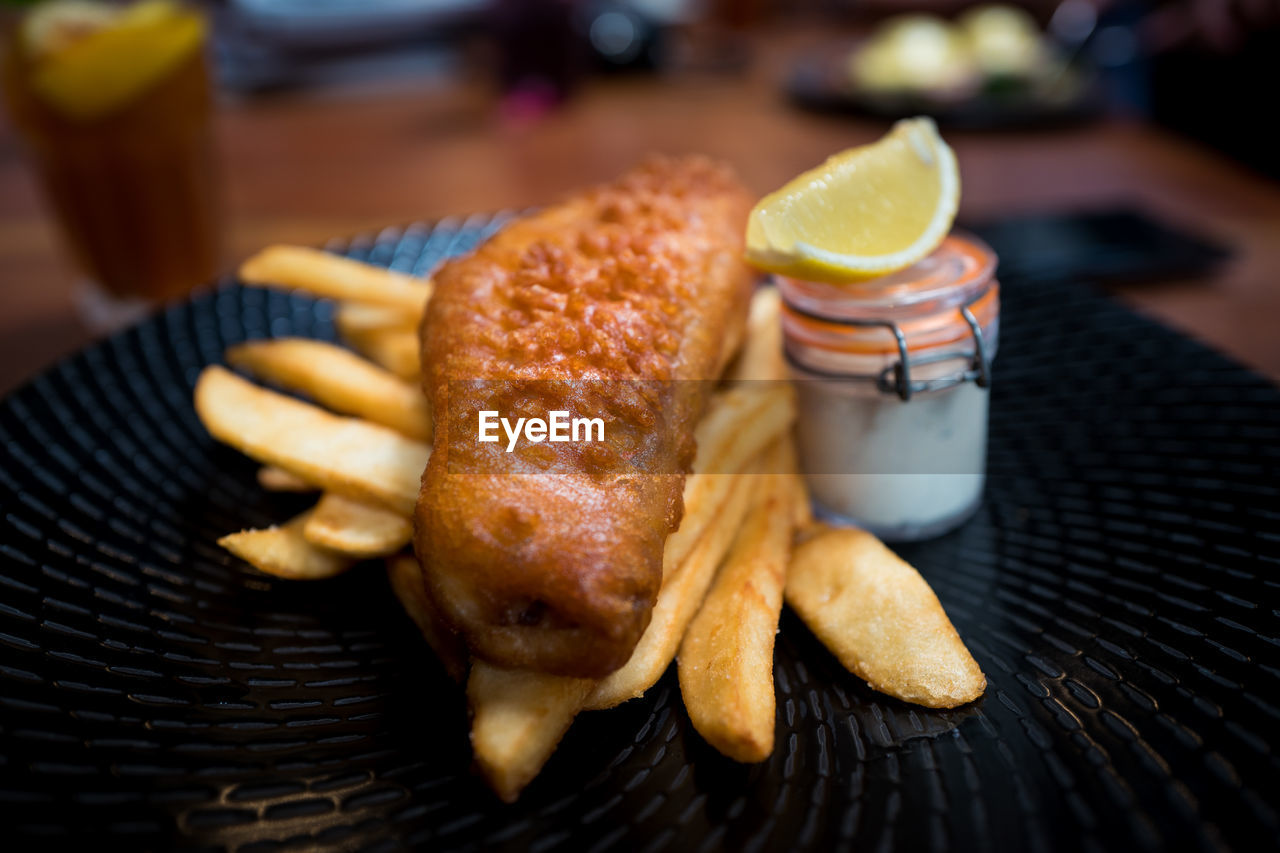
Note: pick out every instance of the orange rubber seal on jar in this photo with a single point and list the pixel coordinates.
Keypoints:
(908, 300)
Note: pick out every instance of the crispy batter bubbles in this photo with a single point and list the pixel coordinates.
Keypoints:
(606, 305)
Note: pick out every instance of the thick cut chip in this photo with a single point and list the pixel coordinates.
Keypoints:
(760, 358)
(678, 600)
(326, 274)
(394, 348)
(535, 709)
(339, 380)
(531, 711)
(284, 552)
(726, 656)
(357, 529)
(344, 455)
(739, 424)
(880, 618)
(275, 479)
(802, 508)
(355, 317)
(405, 576)
(518, 717)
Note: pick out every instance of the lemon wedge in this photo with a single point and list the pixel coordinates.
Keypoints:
(866, 212)
(91, 74)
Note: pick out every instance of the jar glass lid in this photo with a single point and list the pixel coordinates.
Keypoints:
(951, 275)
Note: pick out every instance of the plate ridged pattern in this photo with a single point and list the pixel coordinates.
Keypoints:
(1120, 588)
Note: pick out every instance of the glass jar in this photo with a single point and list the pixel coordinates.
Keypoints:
(892, 377)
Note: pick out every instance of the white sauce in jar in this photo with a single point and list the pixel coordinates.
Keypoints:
(903, 469)
(921, 463)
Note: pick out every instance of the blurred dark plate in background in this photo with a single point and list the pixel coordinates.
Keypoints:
(1114, 246)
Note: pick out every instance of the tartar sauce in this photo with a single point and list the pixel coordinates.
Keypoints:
(900, 452)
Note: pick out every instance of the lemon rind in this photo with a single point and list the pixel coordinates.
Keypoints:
(949, 188)
(839, 267)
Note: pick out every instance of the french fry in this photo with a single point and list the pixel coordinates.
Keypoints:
(761, 355)
(356, 529)
(275, 479)
(339, 380)
(739, 424)
(395, 349)
(533, 709)
(284, 552)
(518, 717)
(351, 318)
(726, 655)
(348, 456)
(523, 715)
(326, 274)
(678, 601)
(405, 576)
(880, 618)
(802, 510)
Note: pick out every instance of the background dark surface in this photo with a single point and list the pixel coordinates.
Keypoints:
(1119, 588)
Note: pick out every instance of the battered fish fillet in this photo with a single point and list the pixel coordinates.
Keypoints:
(621, 303)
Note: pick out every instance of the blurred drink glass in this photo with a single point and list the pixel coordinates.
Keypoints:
(115, 106)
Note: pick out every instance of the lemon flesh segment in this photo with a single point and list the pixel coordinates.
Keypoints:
(865, 212)
(110, 67)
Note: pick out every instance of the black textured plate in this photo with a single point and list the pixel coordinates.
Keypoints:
(1121, 589)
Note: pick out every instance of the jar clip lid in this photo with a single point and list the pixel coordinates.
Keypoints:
(896, 378)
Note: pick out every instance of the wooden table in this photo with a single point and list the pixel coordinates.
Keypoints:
(307, 168)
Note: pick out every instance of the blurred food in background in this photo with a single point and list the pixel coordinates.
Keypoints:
(113, 104)
(991, 65)
(1005, 42)
(919, 54)
(988, 48)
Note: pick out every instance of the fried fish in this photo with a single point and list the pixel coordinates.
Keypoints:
(622, 303)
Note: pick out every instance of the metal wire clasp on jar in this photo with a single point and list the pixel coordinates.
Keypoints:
(892, 377)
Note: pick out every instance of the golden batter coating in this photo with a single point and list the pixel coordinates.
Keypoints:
(619, 303)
